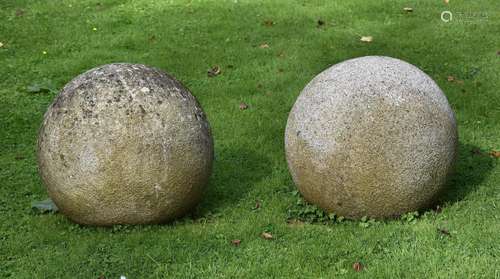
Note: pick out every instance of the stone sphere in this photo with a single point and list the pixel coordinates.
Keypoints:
(372, 136)
(125, 144)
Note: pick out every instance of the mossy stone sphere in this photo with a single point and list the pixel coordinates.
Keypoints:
(125, 144)
(372, 136)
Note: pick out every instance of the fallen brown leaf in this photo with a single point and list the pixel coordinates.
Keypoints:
(451, 78)
(236, 242)
(257, 205)
(444, 231)
(214, 71)
(366, 39)
(1, 45)
(408, 9)
(268, 23)
(357, 266)
(19, 12)
(295, 223)
(19, 157)
(446, 1)
(476, 151)
(495, 153)
(264, 45)
(266, 236)
(243, 106)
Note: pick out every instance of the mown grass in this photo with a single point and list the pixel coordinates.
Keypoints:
(50, 42)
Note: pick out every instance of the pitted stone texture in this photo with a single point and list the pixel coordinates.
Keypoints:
(125, 144)
(372, 136)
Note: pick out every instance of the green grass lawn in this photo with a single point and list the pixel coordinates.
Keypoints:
(47, 43)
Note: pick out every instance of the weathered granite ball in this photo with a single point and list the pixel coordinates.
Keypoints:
(372, 136)
(125, 144)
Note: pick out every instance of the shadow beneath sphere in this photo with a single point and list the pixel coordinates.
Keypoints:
(235, 171)
(471, 169)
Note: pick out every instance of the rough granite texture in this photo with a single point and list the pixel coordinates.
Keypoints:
(125, 144)
(372, 136)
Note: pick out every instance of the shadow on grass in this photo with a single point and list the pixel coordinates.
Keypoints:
(472, 167)
(236, 171)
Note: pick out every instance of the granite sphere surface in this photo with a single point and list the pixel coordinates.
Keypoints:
(372, 136)
(125, 144)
